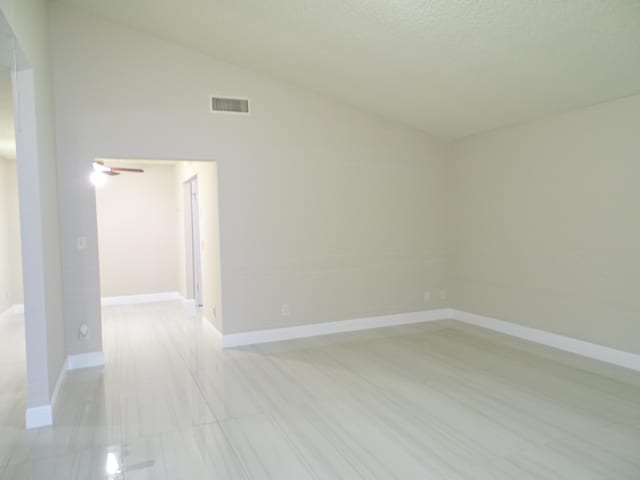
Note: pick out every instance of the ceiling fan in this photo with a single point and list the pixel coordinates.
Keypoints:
(101, 171)
(99, 166)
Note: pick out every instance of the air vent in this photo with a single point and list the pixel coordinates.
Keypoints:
(230, 105)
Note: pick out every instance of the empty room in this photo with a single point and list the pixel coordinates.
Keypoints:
(337, 240)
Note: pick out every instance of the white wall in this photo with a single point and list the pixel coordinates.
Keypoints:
(545, 224)
(37, 174)
(139, 231)
(333, 211)
(5, 274)
(15, 247)
(10, 250)
(207, 174)
(340, 214)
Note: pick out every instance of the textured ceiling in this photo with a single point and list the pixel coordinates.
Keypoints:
(449, 67)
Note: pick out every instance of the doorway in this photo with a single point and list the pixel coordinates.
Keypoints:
(158, 233)
(13, 374)
(10, 250)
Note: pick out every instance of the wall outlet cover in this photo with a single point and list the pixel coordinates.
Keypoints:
(83, 331)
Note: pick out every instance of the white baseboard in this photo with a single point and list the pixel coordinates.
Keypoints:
(189, 303)
(568, 344)
(42, 416)
(37, 417)
(560, 342)
(143, 298)
(85, 360)
(11, 310)
(6, 315)
(326, 328)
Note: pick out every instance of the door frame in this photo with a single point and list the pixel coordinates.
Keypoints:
(193, 241)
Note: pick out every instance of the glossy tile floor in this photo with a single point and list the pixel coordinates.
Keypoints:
(432, 401)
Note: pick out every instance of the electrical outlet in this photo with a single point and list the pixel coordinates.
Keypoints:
(214, 313)
(83, 331)
(427, 296)
(286, 310)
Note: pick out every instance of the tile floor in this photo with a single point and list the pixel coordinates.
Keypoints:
(431, 401)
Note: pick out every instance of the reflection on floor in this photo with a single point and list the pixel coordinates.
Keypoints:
(426, 401)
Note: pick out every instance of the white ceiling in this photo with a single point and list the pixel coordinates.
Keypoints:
(449, 67)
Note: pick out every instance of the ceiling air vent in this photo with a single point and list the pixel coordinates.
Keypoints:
(229, 105)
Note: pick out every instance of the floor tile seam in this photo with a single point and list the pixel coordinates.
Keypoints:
(239, 457)
(565, 438)
(122, 445)
(519, 386)
(547, 353)
(370, 383)
(179, 429)
(194, 378)
(286, 433)
(532, 356)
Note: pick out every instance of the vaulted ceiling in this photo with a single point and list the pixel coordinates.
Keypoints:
(449, 67)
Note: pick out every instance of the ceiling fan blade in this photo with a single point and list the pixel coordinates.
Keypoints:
(121, 169)
(100, 167)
